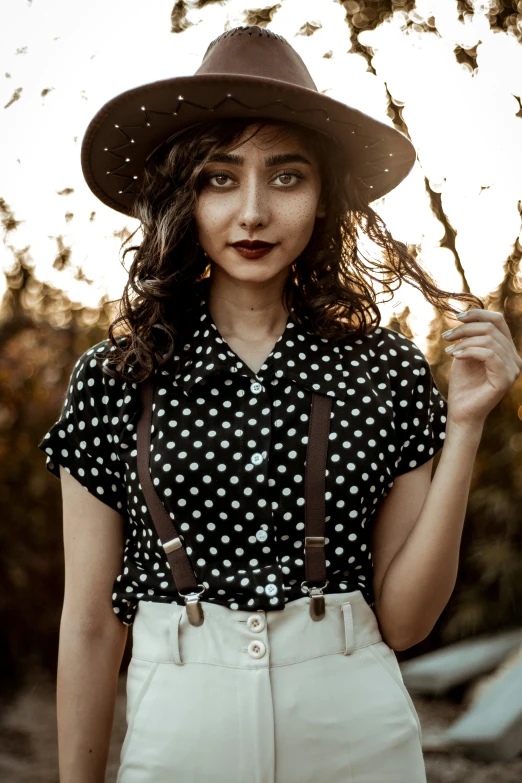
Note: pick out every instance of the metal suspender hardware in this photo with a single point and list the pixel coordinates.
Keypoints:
(315, 562)
(315, 522)
(181, 568)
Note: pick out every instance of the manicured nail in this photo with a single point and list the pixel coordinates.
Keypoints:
(462, 315)
(450, 348)
(456, 353)
(447, 334)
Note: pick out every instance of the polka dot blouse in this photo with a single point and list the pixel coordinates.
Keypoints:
(228, 451)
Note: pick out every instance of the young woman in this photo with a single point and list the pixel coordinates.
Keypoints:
(257, 449)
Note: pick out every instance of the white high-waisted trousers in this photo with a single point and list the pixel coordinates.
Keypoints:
(267, 697)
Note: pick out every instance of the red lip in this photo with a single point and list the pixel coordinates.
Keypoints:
(252, 248)
(252, 244)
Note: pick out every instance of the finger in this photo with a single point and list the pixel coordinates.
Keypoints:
(484, 327)
(488, 357)
(473, 334)
(474, 314)
(494, 341)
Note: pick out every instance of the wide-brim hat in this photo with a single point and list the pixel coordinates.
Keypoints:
(246, 72)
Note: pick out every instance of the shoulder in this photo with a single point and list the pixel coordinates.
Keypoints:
(409, 372)
(89, 377)
(396, 364)
(89, 367)
(94, 398)
(402, 354)
(381, 348)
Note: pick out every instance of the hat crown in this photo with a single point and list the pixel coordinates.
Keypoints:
(255, 51)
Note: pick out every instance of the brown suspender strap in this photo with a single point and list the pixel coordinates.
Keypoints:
(178, 560)
(315, 481)
(315, 473)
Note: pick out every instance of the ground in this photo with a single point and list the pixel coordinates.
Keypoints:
(28, 751)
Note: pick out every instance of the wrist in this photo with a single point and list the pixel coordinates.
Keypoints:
(467, 430)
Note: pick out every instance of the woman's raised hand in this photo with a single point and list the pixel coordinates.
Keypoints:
(488, 365)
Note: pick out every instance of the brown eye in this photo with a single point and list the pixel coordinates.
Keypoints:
(217, 175)
(288, 174)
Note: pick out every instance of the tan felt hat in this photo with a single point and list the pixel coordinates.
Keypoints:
(246, 72)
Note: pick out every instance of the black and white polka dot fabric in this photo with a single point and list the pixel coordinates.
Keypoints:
(228, 454)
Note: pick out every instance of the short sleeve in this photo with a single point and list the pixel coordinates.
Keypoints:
(85, 438)
(421, 411)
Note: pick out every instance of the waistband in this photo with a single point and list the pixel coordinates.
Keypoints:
(257, 639)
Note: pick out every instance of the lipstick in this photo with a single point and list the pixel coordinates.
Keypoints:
(252, 248)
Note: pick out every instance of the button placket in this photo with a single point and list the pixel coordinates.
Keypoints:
(257, 436)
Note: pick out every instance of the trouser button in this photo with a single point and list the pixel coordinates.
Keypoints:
(256, 623)
(256, 649)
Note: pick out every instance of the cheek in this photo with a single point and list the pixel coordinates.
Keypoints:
(211, 214)
(298, 214)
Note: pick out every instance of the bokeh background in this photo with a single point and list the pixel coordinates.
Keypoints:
(445, 72)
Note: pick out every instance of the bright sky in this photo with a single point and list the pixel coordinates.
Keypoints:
(463, 124)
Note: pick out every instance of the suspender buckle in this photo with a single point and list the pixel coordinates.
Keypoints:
(193, 606)
(317, 605)
(172, 545)
(315, 541)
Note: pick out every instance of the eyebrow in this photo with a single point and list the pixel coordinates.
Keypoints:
(272, 160)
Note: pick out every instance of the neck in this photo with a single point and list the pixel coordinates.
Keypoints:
(250, 312)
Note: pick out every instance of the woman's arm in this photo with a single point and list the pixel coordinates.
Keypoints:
(417, 547)
(92, 639)
(416, 540)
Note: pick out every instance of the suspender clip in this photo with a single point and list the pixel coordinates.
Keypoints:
(193, 606)
(317, 605)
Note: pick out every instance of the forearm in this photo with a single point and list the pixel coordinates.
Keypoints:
(421, 577)
(87, 678)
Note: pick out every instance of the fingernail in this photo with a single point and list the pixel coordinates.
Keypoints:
(462, 315)
(447, 334)
(450, 348)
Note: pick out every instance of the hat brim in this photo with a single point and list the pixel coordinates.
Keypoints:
(127, 129)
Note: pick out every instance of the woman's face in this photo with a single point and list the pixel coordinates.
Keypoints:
(267, 188)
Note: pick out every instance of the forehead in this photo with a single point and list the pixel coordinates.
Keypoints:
(270, 135)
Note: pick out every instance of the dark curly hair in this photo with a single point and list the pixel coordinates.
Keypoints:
(327, 285)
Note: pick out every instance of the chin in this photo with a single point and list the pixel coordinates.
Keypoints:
(254, 276)
(250, 270)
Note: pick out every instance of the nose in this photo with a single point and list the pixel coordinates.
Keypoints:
(254, 210)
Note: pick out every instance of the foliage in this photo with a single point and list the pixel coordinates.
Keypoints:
(42, 333)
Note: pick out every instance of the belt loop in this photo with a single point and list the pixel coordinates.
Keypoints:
(174, 633)
(348, 628)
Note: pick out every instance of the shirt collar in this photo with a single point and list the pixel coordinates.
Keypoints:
(310, 361)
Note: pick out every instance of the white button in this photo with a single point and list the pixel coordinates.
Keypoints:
(256, 459)
(256, 649)
(256, 388)
(271, 589)
(261, 535)
(256, 623)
